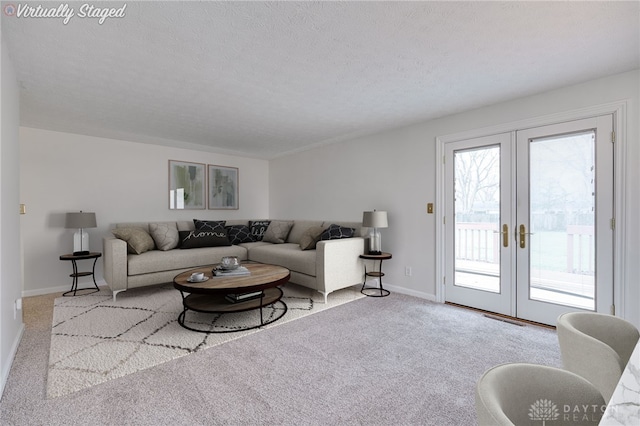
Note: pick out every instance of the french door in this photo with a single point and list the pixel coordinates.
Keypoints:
(528, 220)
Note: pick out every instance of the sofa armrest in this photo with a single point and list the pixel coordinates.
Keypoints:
(338, 264)
(115, 263)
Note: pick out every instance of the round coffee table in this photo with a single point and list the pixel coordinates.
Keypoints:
(210, 296)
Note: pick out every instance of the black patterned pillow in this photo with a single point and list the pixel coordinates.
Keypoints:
(335, 232)
(239, 234)
(210, 224)
(258, 228)
(209, 235)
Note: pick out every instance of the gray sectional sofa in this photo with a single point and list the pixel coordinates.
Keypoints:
(333, 264)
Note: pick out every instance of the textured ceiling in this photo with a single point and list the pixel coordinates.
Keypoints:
(263, 79)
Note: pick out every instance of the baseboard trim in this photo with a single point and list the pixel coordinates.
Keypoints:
(60, 289)
(408, 292)
(7, 367)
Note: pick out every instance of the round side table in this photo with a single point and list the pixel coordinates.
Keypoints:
(74, 258)
(374, 291)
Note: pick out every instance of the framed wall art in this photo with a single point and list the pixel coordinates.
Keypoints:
(223, 187)
(187, 185)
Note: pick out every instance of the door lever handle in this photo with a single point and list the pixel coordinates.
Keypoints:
(505, 235)
(522, 236)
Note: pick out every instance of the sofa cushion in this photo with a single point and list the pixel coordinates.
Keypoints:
(165, 235)
(288, 255)
(138, 240)
(209, 235)
(239, 234)
(258, 228)
(334, 232)
(277, 231)
(249, 246)
(311, 237)
(157, 261)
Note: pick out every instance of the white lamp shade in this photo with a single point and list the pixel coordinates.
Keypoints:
(375, 219)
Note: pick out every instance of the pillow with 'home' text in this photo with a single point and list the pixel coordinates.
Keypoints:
(211, 235)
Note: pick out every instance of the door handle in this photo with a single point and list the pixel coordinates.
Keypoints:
(505, 235)
(522, 236)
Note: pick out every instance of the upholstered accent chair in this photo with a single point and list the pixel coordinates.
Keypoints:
(596, 347)
(523, 394)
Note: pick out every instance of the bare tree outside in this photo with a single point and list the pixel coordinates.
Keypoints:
(477, 178)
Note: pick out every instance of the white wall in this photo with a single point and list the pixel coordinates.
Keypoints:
(396, 171)
(120, 181)
(11, 326)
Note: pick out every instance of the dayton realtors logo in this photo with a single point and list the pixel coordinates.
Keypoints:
(545, 410)
(64, 12)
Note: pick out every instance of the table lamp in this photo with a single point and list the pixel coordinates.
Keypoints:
(80, 220)
(375, 220)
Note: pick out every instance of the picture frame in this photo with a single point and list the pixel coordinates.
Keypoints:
(187, 185)
(223, 187)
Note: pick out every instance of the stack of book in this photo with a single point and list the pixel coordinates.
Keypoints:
(239, 271)
(241, 297)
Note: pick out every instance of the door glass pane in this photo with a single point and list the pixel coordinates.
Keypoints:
(477, 218)
(562, 219)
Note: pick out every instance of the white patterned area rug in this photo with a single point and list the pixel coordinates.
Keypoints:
(94, 339)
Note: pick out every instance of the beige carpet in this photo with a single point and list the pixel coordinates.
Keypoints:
(94, 339)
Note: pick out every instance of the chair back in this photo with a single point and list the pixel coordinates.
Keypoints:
(518, 394)
(596, 347)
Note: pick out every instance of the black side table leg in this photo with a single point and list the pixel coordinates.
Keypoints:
(364, 281)
(74, 286)
(93, 273)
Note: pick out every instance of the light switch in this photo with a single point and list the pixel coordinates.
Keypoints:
(23, 209)
(430, 208)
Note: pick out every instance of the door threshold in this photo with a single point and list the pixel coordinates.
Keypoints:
(502, 317)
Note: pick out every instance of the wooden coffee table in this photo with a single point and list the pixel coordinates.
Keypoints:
(210, 296)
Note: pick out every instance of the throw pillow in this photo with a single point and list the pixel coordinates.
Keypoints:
(165, 235)
(277, 231)
(138, 240)
(239, 234)
(181, 236)
(310, 238)
(335, 232)
(258, 228)
(209, 224)
(206, 236)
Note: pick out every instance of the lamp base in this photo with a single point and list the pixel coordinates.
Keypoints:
(80, 243)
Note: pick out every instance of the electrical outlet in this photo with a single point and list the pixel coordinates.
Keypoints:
(17, 306)
(407, 271)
